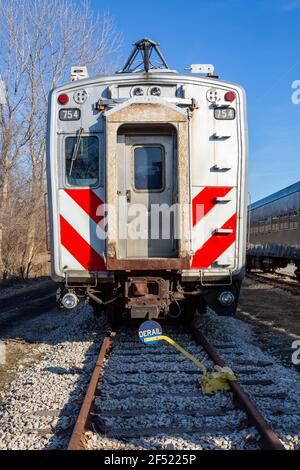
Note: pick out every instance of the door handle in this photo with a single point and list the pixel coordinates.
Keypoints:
(128, 195)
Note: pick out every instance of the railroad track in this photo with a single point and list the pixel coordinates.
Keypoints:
(144, 397)
(283, 282)
(27, 301)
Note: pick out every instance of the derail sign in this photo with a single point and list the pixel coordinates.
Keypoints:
(148, 330)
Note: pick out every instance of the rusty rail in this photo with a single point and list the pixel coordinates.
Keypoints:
(270, 440)
(282, 283)
(76, 442)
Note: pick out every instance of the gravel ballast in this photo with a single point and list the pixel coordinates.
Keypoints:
(39, 408)
(145, 389)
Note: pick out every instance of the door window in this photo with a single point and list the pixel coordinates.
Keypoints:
(148, 168)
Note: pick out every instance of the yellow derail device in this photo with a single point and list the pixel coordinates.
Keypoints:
(150, 332)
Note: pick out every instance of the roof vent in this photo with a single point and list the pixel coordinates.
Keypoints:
(79, 73)
(208, 69)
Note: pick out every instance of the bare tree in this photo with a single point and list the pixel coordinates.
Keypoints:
(40, 41)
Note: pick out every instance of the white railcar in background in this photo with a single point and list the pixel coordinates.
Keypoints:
(148, 137)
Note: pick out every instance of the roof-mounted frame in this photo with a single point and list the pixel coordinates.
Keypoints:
(145, 56)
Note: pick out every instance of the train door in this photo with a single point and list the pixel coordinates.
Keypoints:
(146, 194)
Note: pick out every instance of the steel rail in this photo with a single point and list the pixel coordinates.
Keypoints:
(76, 441)
(270, 440)
(282, 283)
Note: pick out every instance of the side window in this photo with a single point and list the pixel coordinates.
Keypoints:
(82, 161)
(294, 220)
(148, 168)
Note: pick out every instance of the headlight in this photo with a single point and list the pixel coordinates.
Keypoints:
(226, 299)
(155, 91)
(70, 301)
(137, 91)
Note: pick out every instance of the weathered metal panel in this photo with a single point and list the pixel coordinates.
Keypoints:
(153, 264)
(143, 242)
(145, 112)
(198, 150)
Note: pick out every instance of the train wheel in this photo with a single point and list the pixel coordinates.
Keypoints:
(201, 306)
(97, 309)
(189, 310)
(111, 314)
(268, 270)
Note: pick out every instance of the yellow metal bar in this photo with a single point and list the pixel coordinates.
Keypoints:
(212, 383)
(179, 348)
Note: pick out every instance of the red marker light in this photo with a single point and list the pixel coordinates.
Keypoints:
(230, 96)
(63, 99)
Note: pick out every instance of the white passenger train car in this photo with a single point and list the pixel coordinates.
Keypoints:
(147, 184)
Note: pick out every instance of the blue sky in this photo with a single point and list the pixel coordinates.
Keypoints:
(256, 44)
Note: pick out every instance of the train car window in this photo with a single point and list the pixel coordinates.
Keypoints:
(148, 168)
(293, 220)
(82, 161)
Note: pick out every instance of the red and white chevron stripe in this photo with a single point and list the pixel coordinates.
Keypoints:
(210, 215)
(81, 249)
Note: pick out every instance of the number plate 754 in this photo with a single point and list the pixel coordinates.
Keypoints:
(70, 114)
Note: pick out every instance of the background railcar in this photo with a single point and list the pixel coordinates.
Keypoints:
(274, 238)
(175, 145)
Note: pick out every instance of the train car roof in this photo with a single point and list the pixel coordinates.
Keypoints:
(146, 63)
(294, 188)
(170, 75)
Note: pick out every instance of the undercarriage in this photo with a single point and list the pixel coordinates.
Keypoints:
(159, 296)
